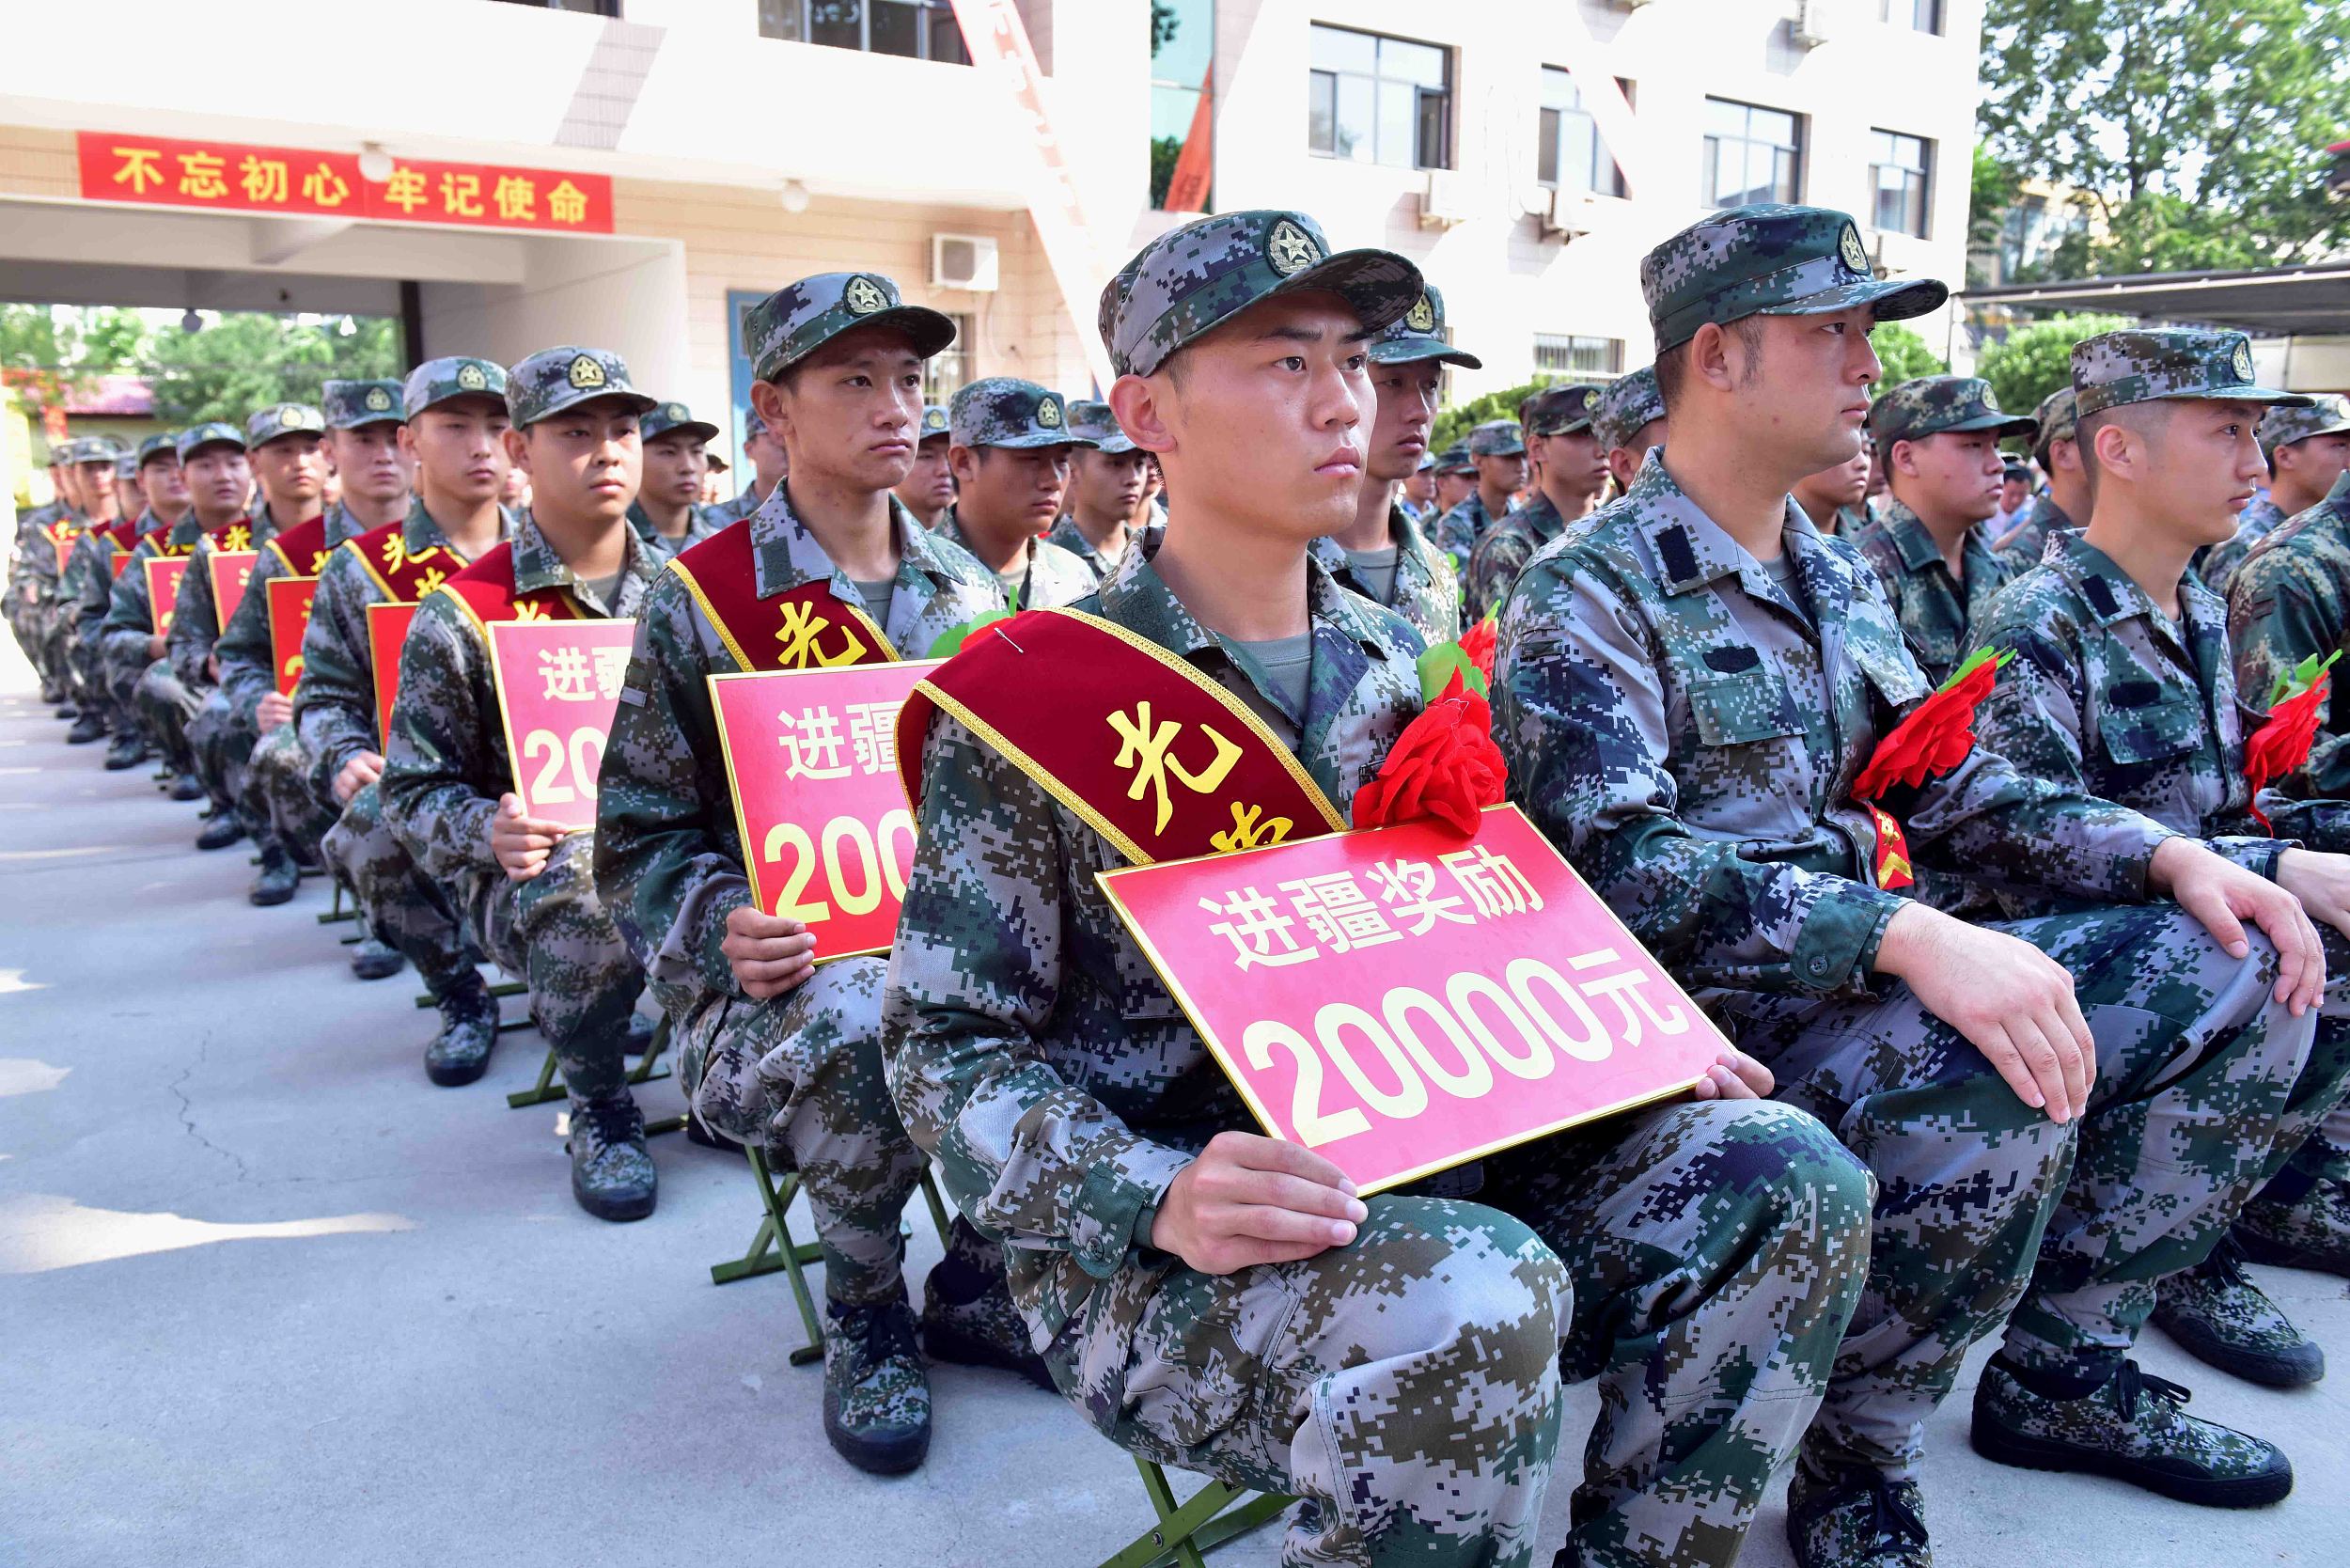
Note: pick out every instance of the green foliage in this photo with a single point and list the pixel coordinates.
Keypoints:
(244, 361)
(2195, 129)
(52, 353)
(1904, 354)
(2033, 361)
(1163, 25)
(1453, 424)
(1164, 150)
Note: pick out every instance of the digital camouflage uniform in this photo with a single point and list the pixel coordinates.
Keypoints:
(1502, 554)
(2281, 426)
(144, 683)
(1004, 411)
(1424, 590)
(700, 521)
(60, 587)
(1458, 531)
(30, 538)
(2055, 419)
(745, 501)
(1687, 732)
(1096, 423)
(89, 583)
(1627, 405)
(1406, 1383)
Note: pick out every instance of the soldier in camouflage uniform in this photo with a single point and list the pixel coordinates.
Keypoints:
(1629, 420)
(130, 648)
(2121, 689)
(1107, 482)
(1010, 443)
(1570, 474)
(525, 886)
(93, 577)
(928, 488)
(30, 527)
(1938, 437)
(1832, 497)
(170, 691)
(1496, 450)
(675, 461)
(2308, 451)
(95, 459)
(453, 420)
(773, 1049)
(1384, 555)
(2057, 450)
(1685, 700)
(764, 450)
(1697, 1258)
(1456, 480)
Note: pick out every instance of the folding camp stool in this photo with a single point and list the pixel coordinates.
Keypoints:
(548, 1090)
(1187, 1531)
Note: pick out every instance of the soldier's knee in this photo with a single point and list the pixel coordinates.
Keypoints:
(1487, 1281)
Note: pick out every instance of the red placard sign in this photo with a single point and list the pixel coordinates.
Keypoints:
(558, 682)
(231, 569)
(158, 171)
(812, 755)
(387, 628)
(289, 617)
(162, 590)
(120, 560)
(1402, 1000)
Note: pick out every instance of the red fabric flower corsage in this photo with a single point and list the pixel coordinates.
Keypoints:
(1444, 766)
(1934, 738)
(2279, 747)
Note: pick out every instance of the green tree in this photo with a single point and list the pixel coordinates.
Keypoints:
(50, 352)
(246, 360)
(2032, 361)
(1904, 354)
(1453, 424)
(2195, 129)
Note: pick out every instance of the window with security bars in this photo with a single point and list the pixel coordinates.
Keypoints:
(1568, 151)
(949, 371)
(1897, 169)
(917, 29)
(1751, 154)
(1569, 354)
(1923, 16)
(1377, 100)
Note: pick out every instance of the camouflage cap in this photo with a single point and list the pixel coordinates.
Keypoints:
(161, 446)
(552, 380)
(93, 448)
(352, 404)
(800, 318)
(1932, 405)
(2287, 423)
(1004, 411)
(1563, 410)
(754, 427)
(2056, 418)
(441, 381)
(936, 420)
(279, 419)
(211, 432)
(1191, 280)
(664, 417)
(127, 467)
(1627, 406)
(1418, 334)
(1496, 438)
(1769, 260)
(1455, 460)
(1094, 422)
(2149, 364)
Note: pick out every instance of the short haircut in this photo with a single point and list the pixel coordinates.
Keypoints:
(1673, 365)
(2136, 416)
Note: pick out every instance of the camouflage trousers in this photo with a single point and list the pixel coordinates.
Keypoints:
(803, 1072)
(553, 933)
(277, 788)
(2191, 1052)
(94, 685)
(2314, 1137)
(222, 736)
(56, 646)
(1406, 1386)
(165, 706)
(401, 904)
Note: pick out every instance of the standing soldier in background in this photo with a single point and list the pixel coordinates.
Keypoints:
(1107, 482)
(2308, 451)
(668, 513)
(1570, 474)
(1629, 420)
(1010, 446)
(1938, 437)
(1456, 482)
(2057, 450)
(769, 465)
(929, 489)
(1497, 452)
(1416, 494)
(1384, 554)
(1832, 497)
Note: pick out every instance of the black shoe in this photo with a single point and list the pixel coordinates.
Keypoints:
(967, 1315)
(877, 1395)
(221, 832)
(612, 1174)
(90, 727)
(277, 878)
(2135, 1428)
(710, 1138)
(128, 751)
(186, 786)
(469, 1029)
(2220, 1317)
(641, 1034)
(1856, 1519)
(372, 959)
(66, 710)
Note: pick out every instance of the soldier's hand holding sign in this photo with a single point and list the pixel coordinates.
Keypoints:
(770, 954)
(521, 843)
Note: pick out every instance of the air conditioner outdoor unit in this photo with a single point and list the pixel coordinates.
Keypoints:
(964, 261)
(1569, 213)
(1814, 22)
(1445, 200)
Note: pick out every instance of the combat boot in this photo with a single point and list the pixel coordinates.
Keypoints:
(374, 959)
(967, 1315)
(877, 1394)
(2312, 1232)
(90, 726)
(128, 751)
(186, 786)
(222, 831)
(469, 1029)
(612, 1174)
(2136, 1429)
(2220, 1316)
(66, 710)
(1856, 1519)
(275, 882)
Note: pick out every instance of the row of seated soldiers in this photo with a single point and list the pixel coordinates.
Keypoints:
(2015, 1049)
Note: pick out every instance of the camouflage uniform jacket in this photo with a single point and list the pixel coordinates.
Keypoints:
(1932, 606)
(94, 575)
(668, 856)
(334, 704)
(445, 762)
(700, 522)
(1689, 738)
(130, 610)
(735, 508)
(1070, 537)
(1425, 591)
(2108, 697)
(2218, 562)
(1053, 577)
(2290, 599)
(1503, 553)
(38, 564)
(1031, 1048)
(2025, 543)
(1456, 534)
(29, 525)
(248, 664)
(195, 621)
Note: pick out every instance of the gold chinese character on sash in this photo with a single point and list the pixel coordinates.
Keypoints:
(1148, 749)
(802, 626)
(1251, 828)
(239, 537)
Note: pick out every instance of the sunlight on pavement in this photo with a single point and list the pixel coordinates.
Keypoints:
(24, 1075)
(41, 1232)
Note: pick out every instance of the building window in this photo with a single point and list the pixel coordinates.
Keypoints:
(949, 371)
(1568, 150)
(1379, 100)
(1751, 154)
(917, 29)
(1182, 105)
(1924, 16)
(1898, 166)
(1566, 354)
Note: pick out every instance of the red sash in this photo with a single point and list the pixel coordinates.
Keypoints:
(403, 578)
(808, 627)
(123, 532)
(486, 588)
(1154, 755)
(300, 550)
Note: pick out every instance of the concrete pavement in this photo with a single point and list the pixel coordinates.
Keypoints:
(271, 1298)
